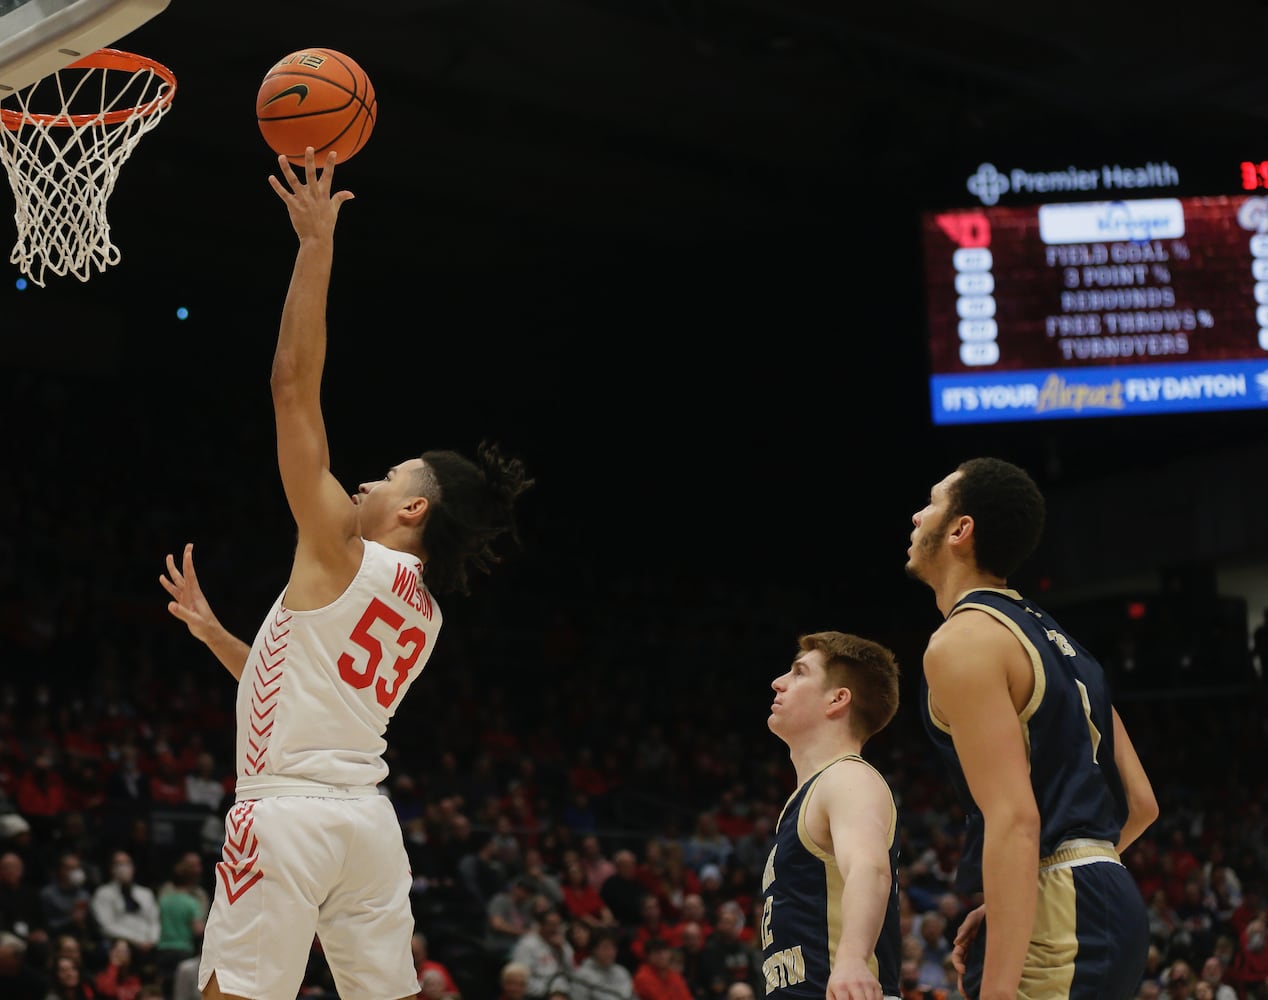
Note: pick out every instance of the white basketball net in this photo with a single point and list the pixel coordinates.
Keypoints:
(62, 143)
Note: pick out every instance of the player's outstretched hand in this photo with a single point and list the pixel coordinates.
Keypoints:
(188, 603)
(312, 208)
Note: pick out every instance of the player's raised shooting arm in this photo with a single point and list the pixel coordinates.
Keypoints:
(323, 512)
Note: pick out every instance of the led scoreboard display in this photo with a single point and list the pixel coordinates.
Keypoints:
(1111, 289)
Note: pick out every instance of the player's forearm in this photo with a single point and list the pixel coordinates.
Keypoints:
(231, 651)
(1010, 885)
(864, 898)
(301, 342)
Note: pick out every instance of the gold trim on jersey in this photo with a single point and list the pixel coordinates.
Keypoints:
(1036, 662)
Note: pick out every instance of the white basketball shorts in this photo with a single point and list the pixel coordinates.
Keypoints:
(297, 866)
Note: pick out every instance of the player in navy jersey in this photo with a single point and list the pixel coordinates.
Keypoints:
(311, 847)
(830, 886)
(1052, 788)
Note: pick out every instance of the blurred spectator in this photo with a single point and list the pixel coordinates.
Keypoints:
(911, 985)
(481, 871)
(1163, 919)
(68, 981)
(431, 985)
(543, 882)
(120, 979)
(622, 892)
(128, 786)
(41, 794)
(125, 910)
(167, 784)
(706, 845)
(83, 930)
(655, 979)
(510, 917)
(580, 935)
(1177, 983)
(711, 891)
(15, 834)
(694, 911)
(202, 785)
(423, 962)
(725, 958)
(545, 952)
(691, 949)
(651, 925)
(664, 873)
(1196, 933)
(581, 900)
(19, 979)
(601, 976)
(507, 850)
(20, 910)
(598, 865)
(514, 981)
(183, 907)
(58, 897)
(934, 948)
(754, 847)
(1250, 968)
(1213, 974)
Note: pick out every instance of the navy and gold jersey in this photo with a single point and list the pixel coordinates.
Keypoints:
(1068, 727)
(801, 915)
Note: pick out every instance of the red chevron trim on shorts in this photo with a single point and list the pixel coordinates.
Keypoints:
(239, 871)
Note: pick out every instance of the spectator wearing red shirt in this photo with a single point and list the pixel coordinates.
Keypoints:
(167, 783)
(656, 979)
(582, 900)
(652, 927)
(41, 794)
(423, 963)
(1249, 973)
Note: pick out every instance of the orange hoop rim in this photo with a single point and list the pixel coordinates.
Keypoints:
(117, 59)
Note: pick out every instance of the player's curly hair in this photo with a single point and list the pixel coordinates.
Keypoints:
(1007, 508)
(472, 506)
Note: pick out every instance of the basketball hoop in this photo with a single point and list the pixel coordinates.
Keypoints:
(63, 147)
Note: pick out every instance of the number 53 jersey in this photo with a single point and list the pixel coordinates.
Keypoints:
(320, 687)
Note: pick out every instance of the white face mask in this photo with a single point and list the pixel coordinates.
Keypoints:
(76, 877)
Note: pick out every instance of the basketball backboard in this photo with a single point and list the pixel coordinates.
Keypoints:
(39, 37)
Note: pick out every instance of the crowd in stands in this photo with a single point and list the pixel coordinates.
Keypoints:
(587, 789)
(541, 866)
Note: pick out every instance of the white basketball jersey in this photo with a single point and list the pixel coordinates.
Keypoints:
(320, 687)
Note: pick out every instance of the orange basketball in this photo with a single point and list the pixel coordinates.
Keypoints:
(319, 98)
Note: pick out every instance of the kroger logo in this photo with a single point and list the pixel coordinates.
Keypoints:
(988, 184)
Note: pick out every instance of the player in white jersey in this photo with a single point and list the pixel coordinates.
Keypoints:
(311, 847)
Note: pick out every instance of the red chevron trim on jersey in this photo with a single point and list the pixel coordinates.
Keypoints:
(266, 684)
(238, 871)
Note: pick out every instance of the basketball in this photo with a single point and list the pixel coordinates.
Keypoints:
(319, 98)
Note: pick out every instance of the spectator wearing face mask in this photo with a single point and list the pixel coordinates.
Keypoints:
(58, 897)
(124, 910)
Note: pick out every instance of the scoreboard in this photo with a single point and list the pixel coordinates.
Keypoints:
(1098, 289)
